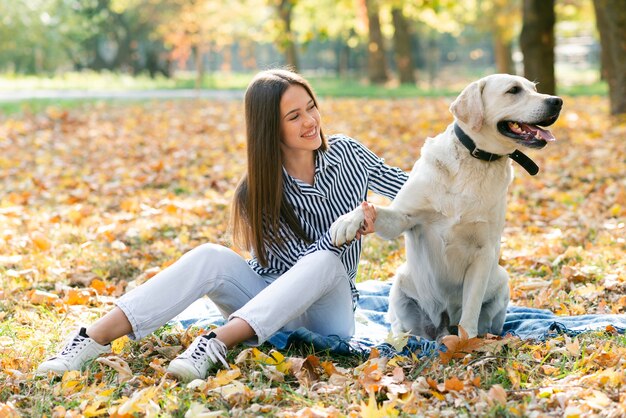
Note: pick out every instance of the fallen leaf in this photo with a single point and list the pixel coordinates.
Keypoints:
(498, 394)
(454, 384)
(119, 365)
(459, 346)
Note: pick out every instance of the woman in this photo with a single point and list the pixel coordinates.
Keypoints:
(297, 183)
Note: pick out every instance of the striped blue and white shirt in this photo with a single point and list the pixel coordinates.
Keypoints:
(343, 175)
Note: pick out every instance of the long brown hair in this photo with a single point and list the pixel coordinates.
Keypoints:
(259, 204)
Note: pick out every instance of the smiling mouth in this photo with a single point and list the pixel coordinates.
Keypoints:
(311, 133)
(532, 135)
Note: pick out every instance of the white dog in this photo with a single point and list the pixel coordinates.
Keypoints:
(452, 210)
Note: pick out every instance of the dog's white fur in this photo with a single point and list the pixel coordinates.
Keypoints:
(452, 212)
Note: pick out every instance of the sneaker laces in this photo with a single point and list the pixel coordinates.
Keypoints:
(72, 344)
(213, 348)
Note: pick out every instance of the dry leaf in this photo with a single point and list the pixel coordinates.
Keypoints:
(498, 394)
(119, 365)
(459, 346)
(454, 384)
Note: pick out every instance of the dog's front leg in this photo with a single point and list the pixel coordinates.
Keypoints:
(391, 223)
(474, 287)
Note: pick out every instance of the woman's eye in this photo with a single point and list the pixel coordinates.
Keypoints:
(514, 90)
(294, 117)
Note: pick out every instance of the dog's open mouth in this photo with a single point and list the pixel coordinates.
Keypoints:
(527, 134)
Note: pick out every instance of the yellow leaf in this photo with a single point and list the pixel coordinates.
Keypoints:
(258, 356)
(371, 409)
(224, 377)
(273, 359)
(118, 345)
(41, 242)
(277, 359)
(94, 410)
(71, 383)
(437, 395)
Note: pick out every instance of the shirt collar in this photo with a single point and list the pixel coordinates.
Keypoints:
(323, 160)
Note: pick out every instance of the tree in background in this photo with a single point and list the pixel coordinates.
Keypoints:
(376, 62)
(286, 39)
(432, 22)
(500, 18)
(537, 43)
(402, 45)
(611, 23)
(332, 21)
(46, 35)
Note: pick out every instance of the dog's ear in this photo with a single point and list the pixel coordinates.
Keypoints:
(468, 107)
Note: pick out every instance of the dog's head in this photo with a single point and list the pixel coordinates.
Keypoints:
(506, 108)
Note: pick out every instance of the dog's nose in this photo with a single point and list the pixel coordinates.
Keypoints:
(556, 102)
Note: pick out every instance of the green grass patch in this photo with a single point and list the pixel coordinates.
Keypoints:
(350, 87)
(598, 88)
(109, 81)
(325, 86)
(36, 106)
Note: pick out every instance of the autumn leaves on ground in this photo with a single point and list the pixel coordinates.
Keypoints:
(96, 200)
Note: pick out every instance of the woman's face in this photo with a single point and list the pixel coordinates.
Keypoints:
(300, 121)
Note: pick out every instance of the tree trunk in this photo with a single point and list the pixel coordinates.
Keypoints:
(287, 40)
(611, 23)
(537, 43)
(198, 56)
(503, 55)
(342, 54)
(402, 46)
(604, 51)
(376, 64)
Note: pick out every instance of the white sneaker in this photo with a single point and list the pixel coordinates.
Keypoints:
(201, 355)
(77, 351)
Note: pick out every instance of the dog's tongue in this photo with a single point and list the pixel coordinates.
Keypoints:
(534, 129)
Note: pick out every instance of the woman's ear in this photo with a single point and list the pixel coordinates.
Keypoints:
(468, 107)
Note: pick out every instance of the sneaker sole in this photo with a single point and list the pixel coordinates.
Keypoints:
(181, 371)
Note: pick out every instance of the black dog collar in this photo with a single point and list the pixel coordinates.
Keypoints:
(517, 155)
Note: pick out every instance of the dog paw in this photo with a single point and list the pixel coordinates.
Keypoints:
(345, 228)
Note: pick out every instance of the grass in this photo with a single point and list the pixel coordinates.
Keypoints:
(324, 85)
(538, 378)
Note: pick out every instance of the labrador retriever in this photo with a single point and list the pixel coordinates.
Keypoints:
(452, 210)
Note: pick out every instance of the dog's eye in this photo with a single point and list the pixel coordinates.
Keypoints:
(514, 90)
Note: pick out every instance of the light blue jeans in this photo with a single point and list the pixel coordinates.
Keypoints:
(314, 293)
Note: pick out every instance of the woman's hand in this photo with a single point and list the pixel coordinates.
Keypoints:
(369, 214)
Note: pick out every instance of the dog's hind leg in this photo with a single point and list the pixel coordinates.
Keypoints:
(406, 315)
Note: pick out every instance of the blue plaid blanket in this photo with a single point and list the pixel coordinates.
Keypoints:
(372, 326)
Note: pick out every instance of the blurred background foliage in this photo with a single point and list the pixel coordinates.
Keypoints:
(418, 43)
